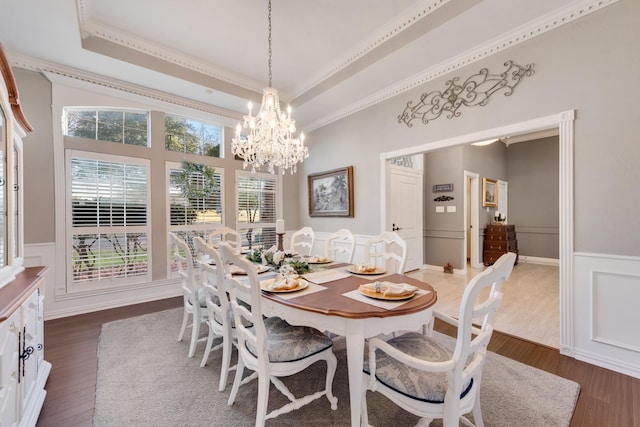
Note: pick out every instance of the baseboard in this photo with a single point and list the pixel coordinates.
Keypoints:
(90, 308)
(441, 269)
(525, 259)
(608, 363)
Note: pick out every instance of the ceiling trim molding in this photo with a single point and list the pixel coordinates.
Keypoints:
(382, 36)
(90, 28)
(521, 34)
(227, 117)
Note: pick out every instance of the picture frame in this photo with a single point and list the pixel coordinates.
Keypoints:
(489, 192)
(331, 193)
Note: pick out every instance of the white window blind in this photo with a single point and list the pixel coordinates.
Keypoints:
(256, 212)
(109, 218)
(198, 216)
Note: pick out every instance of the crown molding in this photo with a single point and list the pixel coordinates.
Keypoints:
(381, 36)
(91, 28)
(227, 117)
(526, 32)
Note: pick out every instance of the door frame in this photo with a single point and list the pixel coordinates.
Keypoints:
(473, 190)
(564, 122)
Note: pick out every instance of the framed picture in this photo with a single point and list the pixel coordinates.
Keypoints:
(331, 193)
(489, 192)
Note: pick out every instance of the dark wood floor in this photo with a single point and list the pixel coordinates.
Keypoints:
(606, 398)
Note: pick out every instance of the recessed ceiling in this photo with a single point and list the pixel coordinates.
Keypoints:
(330, 57)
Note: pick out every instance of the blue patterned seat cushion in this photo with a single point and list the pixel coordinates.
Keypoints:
(286, 343)
(414, 383)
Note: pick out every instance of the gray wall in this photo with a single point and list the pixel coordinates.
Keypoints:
(39, 194)
(530, 168)
(534, 197)
(585, 65)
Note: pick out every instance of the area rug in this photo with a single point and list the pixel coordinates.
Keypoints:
(146, 379)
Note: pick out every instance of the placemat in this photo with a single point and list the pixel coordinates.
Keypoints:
(387, 305)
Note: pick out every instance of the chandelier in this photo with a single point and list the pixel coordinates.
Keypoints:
(270, 140)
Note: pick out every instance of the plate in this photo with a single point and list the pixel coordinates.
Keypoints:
(329, 261)
(381, 296)
(378, 270)
(264, 285)
(237, 270)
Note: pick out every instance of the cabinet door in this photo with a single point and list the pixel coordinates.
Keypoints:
(9, 372)
(30, 344)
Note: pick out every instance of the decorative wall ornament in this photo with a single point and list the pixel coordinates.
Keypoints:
(475, 90)
(443, 199)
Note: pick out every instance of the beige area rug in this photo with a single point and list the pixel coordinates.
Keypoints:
(146, 379)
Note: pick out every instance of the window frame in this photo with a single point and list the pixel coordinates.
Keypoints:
(65, 122)
(278, 199)
(70, 230)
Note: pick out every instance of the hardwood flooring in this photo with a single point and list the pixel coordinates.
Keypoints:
(530, 308)
(607, 399)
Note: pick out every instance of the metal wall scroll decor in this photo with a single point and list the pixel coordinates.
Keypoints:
(443, 199)
(475, 90)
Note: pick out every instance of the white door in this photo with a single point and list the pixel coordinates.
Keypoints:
(503, 199)
(404, 211)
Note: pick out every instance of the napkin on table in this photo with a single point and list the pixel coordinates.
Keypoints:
(389, 289)
(281, 283)
(364, 268)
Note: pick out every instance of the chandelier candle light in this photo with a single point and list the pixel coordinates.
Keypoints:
(271, 139)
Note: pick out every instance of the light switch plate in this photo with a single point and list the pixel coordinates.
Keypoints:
(439, 208)
(451, 208)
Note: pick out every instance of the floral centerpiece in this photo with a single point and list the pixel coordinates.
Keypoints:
(283, 262)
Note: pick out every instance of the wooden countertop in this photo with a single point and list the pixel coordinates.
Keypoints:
(13, 294)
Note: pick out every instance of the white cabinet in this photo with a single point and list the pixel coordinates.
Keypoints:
(23, 370)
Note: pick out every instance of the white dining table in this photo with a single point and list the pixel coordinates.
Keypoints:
(332, 306)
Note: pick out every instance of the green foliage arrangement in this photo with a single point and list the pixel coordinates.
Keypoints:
(283, 262)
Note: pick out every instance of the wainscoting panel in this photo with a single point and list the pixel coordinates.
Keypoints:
(58, 303)
(615, 293)
(606, 317)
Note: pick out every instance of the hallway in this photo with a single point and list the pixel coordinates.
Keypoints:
(530, 309)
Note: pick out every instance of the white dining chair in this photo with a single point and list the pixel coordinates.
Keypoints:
(194, 300)
(272, 348)
(339, 245)
(431, 379)
(387, 250)
(302, 241)
(219, 313)
(225, 234)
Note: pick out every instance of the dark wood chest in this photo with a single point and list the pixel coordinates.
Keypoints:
(499, 239)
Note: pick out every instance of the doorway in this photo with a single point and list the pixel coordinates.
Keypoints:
(562, 121)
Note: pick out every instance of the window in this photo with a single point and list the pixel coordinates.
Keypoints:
(256, 195)
(122, 126)
(108, 225)
(190, 136)
(195, 200)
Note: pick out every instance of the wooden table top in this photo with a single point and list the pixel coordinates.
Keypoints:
(332, 302)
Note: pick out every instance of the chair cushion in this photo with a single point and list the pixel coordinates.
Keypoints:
(286, 343)
(414, 383)
(218, 318)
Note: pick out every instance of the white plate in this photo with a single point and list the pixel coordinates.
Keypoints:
(378, 270)
(264, 285)
(329, 261)
(237, 270)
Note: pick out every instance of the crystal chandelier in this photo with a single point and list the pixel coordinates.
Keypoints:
(270, 140)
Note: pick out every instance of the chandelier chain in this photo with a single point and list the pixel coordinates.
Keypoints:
(269, 43)
(269, 138)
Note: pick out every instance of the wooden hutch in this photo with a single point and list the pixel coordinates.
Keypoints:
(23, 370)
